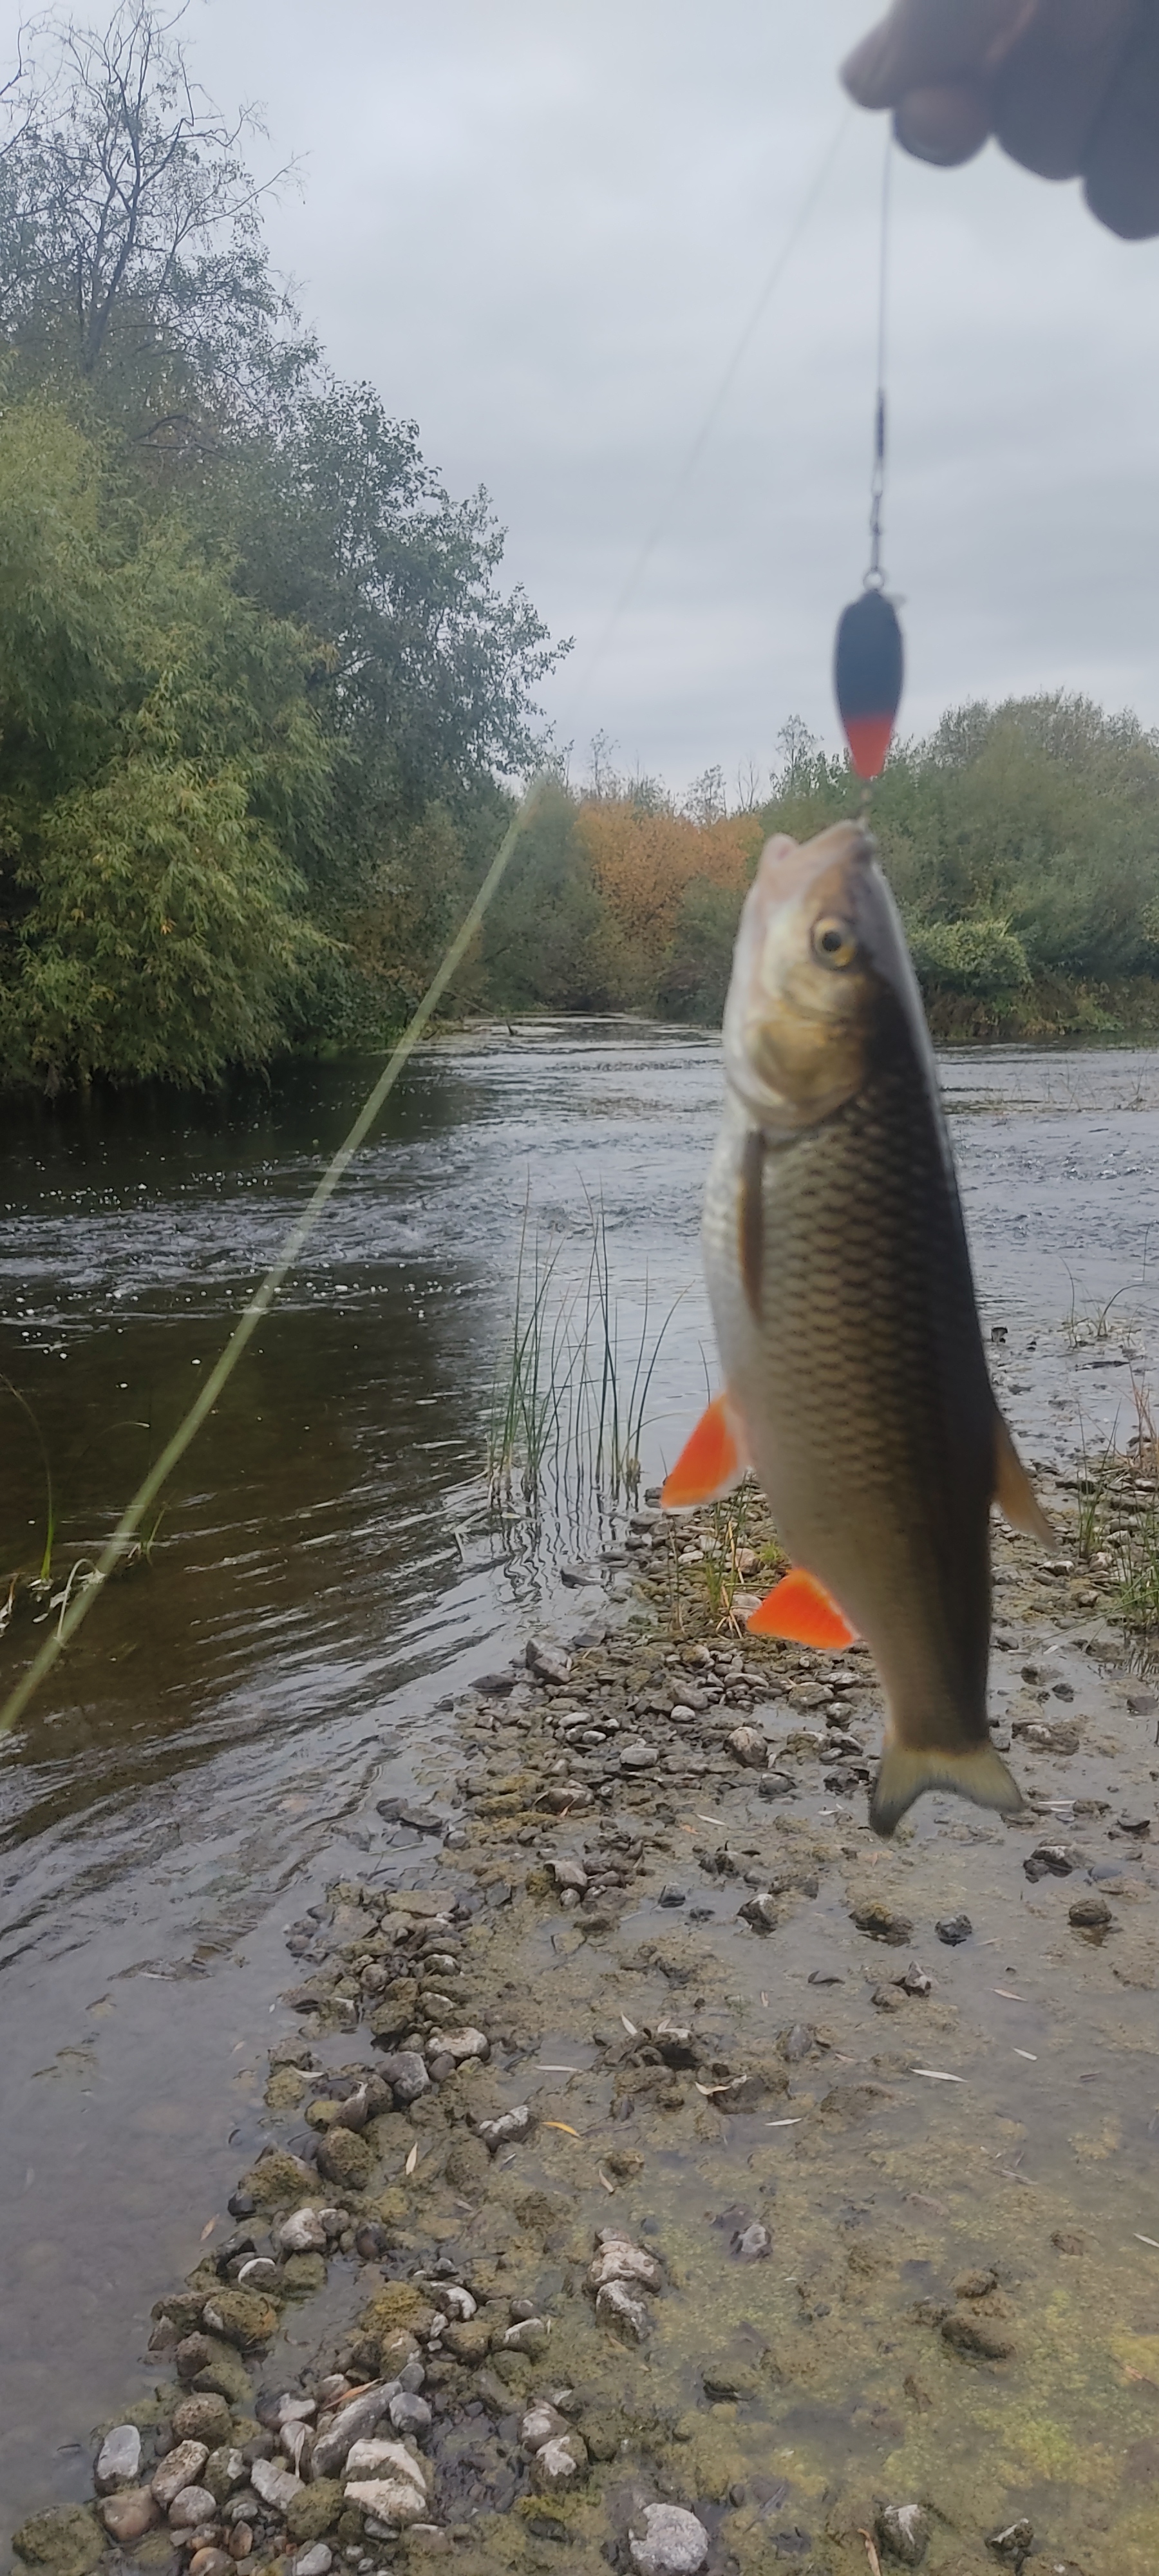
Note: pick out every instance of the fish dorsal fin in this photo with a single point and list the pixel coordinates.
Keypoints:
(712, 1461)
(1013, 1489)
(800, 1608)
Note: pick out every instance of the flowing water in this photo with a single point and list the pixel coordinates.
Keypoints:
(208, 1755)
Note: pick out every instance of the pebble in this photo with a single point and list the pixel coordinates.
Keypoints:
(761, 1912)
(672, 1896)
(916, 1981)
(179, 2470)
(530, 2335)
(623, 2315)
(542, 2423)
(551, 1664)
(410, 2414)
(371, 2459)
(1090, 1914)
(752, 2244)
(953, 1929)
(1054, 1859)
(276, 2486)
(129, 2515)
(317, 2561)
(406, 2075)
(638, 1756)
(674, 2542)
(302, 2233)
(622, 2261)
(459, 2045)
(194, 2505)
(749, 1746)
(509, 2126)
(776, 1784)
(1014, 2542)
(976, 2334)
(351, 2424)
(211, 2562)
(904, 2529)
(882, 1924)
(119, 2458)
(559, 2463)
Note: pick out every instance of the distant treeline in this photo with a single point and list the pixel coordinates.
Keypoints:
(263, 695)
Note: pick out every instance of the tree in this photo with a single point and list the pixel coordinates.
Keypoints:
(130, 228)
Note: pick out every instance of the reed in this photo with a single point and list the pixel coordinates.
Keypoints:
(572, 1384)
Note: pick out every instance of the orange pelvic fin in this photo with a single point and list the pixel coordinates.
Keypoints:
(800, 1608)
(711, 1462)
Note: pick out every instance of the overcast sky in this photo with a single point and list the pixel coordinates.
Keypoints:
(540, 227)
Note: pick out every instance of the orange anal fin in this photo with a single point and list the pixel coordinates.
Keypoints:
(711, 1462)
(800, 1608)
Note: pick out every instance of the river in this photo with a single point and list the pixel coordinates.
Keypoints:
(325, 1569)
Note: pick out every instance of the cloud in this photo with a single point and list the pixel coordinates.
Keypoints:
(541, 233)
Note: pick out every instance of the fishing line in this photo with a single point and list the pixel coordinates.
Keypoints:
(260, 1303)
(869, 655)
(724, 387)
(76, 1609)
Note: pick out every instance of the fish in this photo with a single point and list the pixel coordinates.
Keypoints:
(842, 1294)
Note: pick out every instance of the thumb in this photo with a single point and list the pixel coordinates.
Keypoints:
(923, 43)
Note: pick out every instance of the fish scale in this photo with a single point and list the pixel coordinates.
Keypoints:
(839, 1277)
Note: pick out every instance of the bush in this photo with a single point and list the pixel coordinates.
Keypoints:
(977, 955)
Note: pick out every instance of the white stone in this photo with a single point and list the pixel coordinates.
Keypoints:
(191, 2506)
(118, 2459)
(675, 2543)
(459, 2044)
(276, 2486)
(457, 2302)
(302, 2232)
(542, 2423)
(559, 2463)
(388, 2499)
(624, 2262)
(351, 2424)
(624, 2315)
(509, 2126)
(179, 2469)
(316, 2561)
(375, 2459)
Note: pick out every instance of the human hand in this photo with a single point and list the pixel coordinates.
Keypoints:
(1068, 87)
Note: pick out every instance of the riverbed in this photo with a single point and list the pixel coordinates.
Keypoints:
(326, 1571)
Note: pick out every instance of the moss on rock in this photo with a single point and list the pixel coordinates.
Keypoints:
(67, 2540)
(310, 2515)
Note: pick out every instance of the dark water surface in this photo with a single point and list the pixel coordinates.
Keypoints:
(208, 1755)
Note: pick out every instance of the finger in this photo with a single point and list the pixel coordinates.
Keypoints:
(1049, 93)
(1121, 162)
(946, 124)
(925, 42)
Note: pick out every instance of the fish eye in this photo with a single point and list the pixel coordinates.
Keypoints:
(833, 941)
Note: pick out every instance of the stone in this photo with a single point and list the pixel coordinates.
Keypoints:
(915, 1981)
(953, 1929)
(748, 1746)
(462, 2044)
(66, 2540)
(346, 2159)
(315, 2511)
(276, 2486)
(622, 2314)
(278, 2176)
(202, 2418)
(622, 2261)
(316, 2561)
(1053, 1860)
(559, 2464)
(975, 2285)
(224, 2470)
(751, 2244)
(881, 1922)
(979, 2335)
(507, 2129)
(119, 2459)
(904, 2529)
(352, 2423)
(260, 2273)
(191, 2507)
(549, 1662)
(1015, 2541)
(468, 2339)
(673, 2542)
(381, 2458)
(530, 2335)
(129, 2515)
(671, 1896)
(761, 1912)
(776, 1784)
(302, 2232)
(406, 2075)
(410, 2413)
(542, 2423)
(211, 2562)
(243, 2317)
(1090, 1914)
(569, 1873)
(180, 2468)
(638, 1756)
(389, 2500)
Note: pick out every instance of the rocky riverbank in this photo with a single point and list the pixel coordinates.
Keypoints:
(663, 2174)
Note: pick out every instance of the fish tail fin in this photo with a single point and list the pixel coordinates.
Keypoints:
(907, 1771)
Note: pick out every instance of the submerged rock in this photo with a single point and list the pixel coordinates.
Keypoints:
(66, 2541)
(953, 1929)
(559, 2463)
(623, 2314)
(904, 2529)
(674, 2542)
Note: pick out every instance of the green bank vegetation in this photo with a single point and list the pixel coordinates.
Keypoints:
(265, 700)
